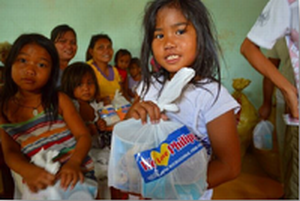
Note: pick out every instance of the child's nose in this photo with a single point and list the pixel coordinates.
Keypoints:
(169, 42)
(85, 87)
(30, 69)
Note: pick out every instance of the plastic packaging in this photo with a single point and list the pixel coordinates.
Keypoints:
(263, 135)
(82, 191)
(109, 114)
(159, 161)
(120, 104)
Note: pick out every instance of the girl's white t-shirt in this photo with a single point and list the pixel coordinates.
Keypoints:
(197, 107)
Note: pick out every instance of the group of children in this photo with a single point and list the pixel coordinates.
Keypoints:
(177, 34)
(37, 77)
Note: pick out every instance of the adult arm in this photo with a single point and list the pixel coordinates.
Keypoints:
(263, 65)
(268, 89)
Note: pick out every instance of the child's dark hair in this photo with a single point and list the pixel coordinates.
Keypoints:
(93, 41)
(59, 31)
(206, 64)
(120, 53)
(49, 92)
(73, 75)
(135, 61)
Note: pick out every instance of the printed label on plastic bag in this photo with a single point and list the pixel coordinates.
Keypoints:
(177, 148)
(108, 113)
(122, 111)
(124, 108)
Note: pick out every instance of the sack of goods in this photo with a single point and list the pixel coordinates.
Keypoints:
(159, 161)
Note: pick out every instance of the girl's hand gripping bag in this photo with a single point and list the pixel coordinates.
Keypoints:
(82, 191)
(159, 161)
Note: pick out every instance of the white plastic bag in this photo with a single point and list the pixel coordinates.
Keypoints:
(82, 191)
(263, 135)
(159, 161)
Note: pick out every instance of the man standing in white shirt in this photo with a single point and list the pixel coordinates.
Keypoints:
(279, 18)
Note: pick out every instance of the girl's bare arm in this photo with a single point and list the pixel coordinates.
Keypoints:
(226, 162)
(71, 172)
(35, 177)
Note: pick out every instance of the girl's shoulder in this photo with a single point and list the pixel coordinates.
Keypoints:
(62, 96)
(63, 100)
(207, 91)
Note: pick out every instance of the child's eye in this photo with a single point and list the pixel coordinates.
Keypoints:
(158, 36)
(180, 32)
(90, 83)
(21, 60)
(42, 65)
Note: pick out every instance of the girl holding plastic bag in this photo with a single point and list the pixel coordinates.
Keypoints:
(179, 34)
(34, 117)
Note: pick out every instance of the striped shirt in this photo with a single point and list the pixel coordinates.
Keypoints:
(40, 132)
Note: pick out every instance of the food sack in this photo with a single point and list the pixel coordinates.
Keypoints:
(120, 104)
(159, 161)
(247, 117)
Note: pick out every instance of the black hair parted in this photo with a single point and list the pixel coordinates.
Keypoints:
(206, 64)
(60, 30)
(92, 43)
(73, 75)
(49, 91)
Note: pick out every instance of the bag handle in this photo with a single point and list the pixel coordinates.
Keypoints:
(173, 89)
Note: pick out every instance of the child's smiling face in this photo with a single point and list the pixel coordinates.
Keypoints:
(86, 90)
(32, 68)
(175, 40)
